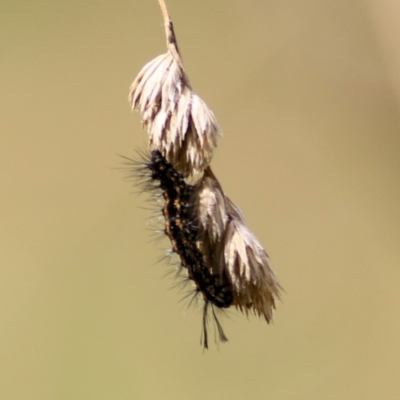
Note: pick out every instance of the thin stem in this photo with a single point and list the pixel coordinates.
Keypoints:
(172, 43)
(164, 10)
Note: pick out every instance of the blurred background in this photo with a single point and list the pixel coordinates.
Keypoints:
(307, 94)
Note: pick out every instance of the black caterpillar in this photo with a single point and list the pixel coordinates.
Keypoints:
(182, 230)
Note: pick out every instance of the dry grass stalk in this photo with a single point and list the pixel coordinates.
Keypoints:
(184, 131)
(179, 123)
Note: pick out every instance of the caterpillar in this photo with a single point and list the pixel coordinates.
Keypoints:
(182, 230)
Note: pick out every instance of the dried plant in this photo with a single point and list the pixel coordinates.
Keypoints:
(180, 124)
(226, 262)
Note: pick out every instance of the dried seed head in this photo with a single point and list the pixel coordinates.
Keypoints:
(179, 123)
(223, 258)
(211, 208)
(255, 284)
(228, 245)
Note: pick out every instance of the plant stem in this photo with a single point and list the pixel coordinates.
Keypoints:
(172, 43)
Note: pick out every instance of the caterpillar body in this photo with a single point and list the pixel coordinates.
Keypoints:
(182, 230)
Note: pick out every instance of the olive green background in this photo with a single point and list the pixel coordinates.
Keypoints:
(307, 94)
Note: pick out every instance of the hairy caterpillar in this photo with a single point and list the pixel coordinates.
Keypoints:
(182, 230)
